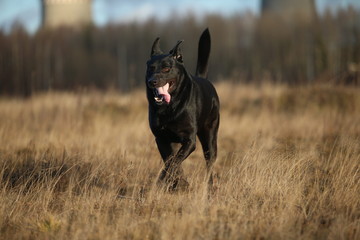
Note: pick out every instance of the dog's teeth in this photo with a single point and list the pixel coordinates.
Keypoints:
(158, 99)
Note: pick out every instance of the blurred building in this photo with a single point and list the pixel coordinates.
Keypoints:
(74, 13)
(290, 10)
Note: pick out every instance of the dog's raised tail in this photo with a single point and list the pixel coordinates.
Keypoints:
(203, 54)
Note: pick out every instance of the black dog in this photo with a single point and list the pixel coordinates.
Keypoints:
(181, 107)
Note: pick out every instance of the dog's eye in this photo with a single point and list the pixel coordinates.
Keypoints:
(165, 70)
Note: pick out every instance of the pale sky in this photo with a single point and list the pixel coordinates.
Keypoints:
(27, 12)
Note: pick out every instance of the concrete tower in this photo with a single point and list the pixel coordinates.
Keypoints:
(74, 13)
(290, 10)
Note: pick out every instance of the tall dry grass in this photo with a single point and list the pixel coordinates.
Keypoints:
(83, 166)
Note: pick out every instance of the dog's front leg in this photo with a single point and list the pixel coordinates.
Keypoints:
(187, 147)
(172, 173)
(173, 166)
(167, 152)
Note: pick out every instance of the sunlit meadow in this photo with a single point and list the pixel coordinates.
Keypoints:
(84, 165)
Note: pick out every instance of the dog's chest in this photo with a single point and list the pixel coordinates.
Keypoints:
(175, 130)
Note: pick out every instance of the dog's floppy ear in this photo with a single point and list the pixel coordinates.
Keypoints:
(175, 52)
(155, 50)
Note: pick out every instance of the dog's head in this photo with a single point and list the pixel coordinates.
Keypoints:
(163, 73)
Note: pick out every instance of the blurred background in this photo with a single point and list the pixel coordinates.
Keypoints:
(104, 44)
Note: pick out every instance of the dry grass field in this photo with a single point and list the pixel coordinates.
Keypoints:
(83, 166)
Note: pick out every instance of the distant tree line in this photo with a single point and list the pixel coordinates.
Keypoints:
(245, 48)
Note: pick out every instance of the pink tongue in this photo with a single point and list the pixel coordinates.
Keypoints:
(163, 91)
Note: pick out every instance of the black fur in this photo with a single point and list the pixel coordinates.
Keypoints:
(203, 54)
(192, 111)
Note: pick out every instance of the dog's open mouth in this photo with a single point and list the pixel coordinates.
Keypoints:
(162, 94)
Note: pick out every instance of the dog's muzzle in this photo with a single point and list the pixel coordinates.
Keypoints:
(161, 93)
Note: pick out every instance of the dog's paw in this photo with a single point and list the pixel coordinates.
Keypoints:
(213, 185)
(180, 184)
(173, 184)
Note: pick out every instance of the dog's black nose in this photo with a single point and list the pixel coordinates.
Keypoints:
(153, 82)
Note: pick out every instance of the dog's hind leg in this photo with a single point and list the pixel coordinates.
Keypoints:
(208, 139)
